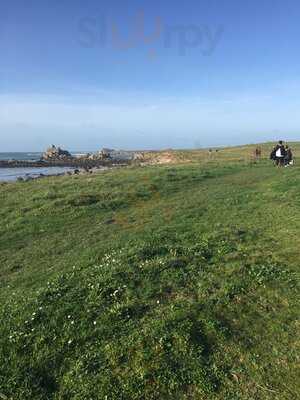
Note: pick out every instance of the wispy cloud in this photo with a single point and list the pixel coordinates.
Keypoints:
(145, 120)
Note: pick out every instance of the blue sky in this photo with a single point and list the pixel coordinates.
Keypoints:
(137, 74)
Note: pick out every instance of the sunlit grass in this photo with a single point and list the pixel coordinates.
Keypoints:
(175, 282)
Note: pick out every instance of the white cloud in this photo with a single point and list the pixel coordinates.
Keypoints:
(138, 120)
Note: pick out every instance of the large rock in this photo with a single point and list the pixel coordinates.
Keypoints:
(56, 153)
(114, 155)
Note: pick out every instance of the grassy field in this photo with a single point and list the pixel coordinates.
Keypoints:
(158, 282)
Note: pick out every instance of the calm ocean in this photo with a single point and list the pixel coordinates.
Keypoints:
(20, 156)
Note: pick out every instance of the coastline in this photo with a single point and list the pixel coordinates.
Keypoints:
(30, 174)
(71, 163)
(54, 162)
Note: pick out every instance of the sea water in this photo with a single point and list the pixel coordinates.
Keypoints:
(21, 156)
(12, 174)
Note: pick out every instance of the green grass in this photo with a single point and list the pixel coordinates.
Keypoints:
(171, 282)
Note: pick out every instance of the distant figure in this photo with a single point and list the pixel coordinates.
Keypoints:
(278, 154)
(288, 159)
(257, 153)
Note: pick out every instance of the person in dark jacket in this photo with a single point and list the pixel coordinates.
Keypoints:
(278, 154)
(288, 159)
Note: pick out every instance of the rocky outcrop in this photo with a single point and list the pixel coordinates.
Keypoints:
(115, 155)
(139, 156)
(56, 157)
(103, 154)
(56, 153)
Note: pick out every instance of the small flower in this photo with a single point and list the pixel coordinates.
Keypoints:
(70, 341)
(95, 322)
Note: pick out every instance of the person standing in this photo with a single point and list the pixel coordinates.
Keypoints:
(280, 153)
(288, 160)
(257, 153)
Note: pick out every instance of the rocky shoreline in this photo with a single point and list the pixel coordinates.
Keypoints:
(87, 171)
(74, 172)
(72, 163)
(58, 162)
(57, 157)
